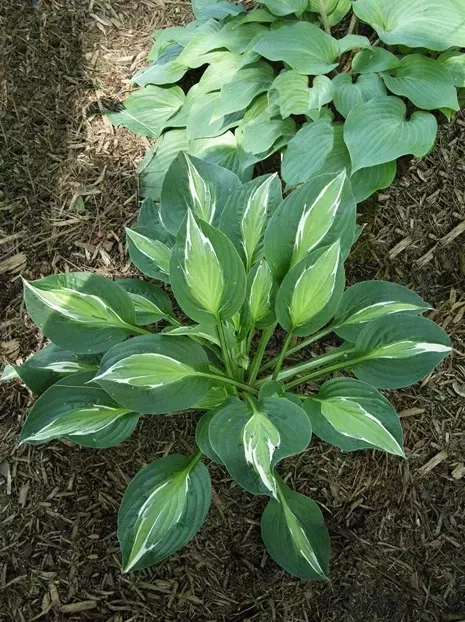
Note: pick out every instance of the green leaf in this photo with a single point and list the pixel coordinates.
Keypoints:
(202, 438)
(151, 303)
(348, 94)
(251, 438)
(81, 312)
(225, 151)
(46, 367)
(261, 292)
(454, 62)
(153, 169)
(370, 300)
(9, 373)
(377, 132)
(265, 136)
(246, 85)
(321, 93)
(162, 509)
(295, 536)
(150, 251)
(217, 9)
(209, 332)
(149, 215)
(353, 415)
(203, 121)
(289, 91)
(423, 81)
(374, 60)
(417, 23)
(302, 46)
(207, 274)
(147, 110)
(167, 69)
(155, 374)
(214, 398)
(246, 215)
(353, 42)
(285, 7)
(202, 187)
(80, 412)
(398, 350)
(320, 212)
(305, 151)
(311, 291)
(222, 71)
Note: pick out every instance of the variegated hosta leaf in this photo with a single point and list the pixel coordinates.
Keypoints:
(310, 293)
(261, 294)
(79, 411)
(209, 332)
(369, 300)
(251, 438)
(46, 367)
(150, 302)
(317, 214)
(150, 251)
(246, 215)
(207, 274)
(162, 509)
(81, 312)
(191, 183)
(398, 350)
(155, 374)
(294, 533)
(353, 415)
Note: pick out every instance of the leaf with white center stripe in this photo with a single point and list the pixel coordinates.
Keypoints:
(261, 293)
(151, 303)
(193, 184)
(46, 367)
(319, 213)
(252, 437)
(162, 509)
(81, 312)
(377, 131)
(246, 215)
(209, 332)
(353, 415)
(150, 251)
(454, 62)
(295, 535)
(348, 94)
(207, 274)
(155, 374)
(416, 23)
(398, 350)
(369, 300)
(374, 60)
(80, 412)
(423, 81)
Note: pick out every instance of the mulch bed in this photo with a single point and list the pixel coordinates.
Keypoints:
(67, 188)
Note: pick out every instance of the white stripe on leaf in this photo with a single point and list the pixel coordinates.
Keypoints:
(254, 219)
(299, 538)
(380, 309)
(154, 250)
(260, 439)
(407, 349)
(260, 292)
(203, 201)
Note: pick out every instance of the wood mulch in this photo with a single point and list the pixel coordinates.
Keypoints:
(67, 188)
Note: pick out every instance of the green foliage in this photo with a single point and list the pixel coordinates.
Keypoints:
(240, 260)
(292, 77)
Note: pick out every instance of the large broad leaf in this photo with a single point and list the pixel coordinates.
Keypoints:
(261, 293)
(150, 251)
(155, 374)
(295, 535)
(321, 93)
(46, 367)
(374, 60)
(207, 274)
(286, 7)
(248, 82)
(398, 350)
(252, 437)
(289, 91)
(348, 94)
(217, 9)
(151, 303)
(80, 312)
(311, 291)
(162, 509)
(353, 415)
(226, 151)
(78, 411)
(147, 111)
(454, 62)
(246, 215)
(153, 170)
(265, 136)
(165, 70)
(320, 212)
(423, 81)
(370, 300)
(353, 42)
(306, 150)
(302, 45)
(416, 23)
(203, 121)
(377, 132)
(193, 184)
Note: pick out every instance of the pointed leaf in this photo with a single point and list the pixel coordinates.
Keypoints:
(454, 62)
(246, 85)
(154, 170)
(374, 60)
(353, 42)
(150, 302)
(167, 69)
(150, 251)
(348, 94)
(261, 293)
(289, 91)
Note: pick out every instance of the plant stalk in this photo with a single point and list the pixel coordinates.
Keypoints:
(324, 16)
(232, 382)
(299, 346)
(224, 348)
(255, 366)
(279, 362)
(322, 372)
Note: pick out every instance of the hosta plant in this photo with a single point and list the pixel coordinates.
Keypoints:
(328, 84)
(243, 265)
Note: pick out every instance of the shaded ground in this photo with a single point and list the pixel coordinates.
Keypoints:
(67, 187)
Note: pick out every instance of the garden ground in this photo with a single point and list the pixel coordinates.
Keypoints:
(67, 188)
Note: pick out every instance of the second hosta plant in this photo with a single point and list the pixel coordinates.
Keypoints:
(243, 266)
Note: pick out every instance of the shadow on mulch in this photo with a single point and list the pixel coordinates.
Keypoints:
(68, 187)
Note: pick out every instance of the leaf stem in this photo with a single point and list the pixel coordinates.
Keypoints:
(195, 458)
(353, 23)
(324, 16)
(224, 348)
(255, 366)
(326, 370)
(232, 382)
(299, 346)
(140, 331)
(282, 354)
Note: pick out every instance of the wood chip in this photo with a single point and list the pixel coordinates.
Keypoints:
(411, 412)
(84, 605)
(459, 471)
(431, 464)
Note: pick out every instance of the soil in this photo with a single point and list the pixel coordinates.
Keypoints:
(67, 188)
